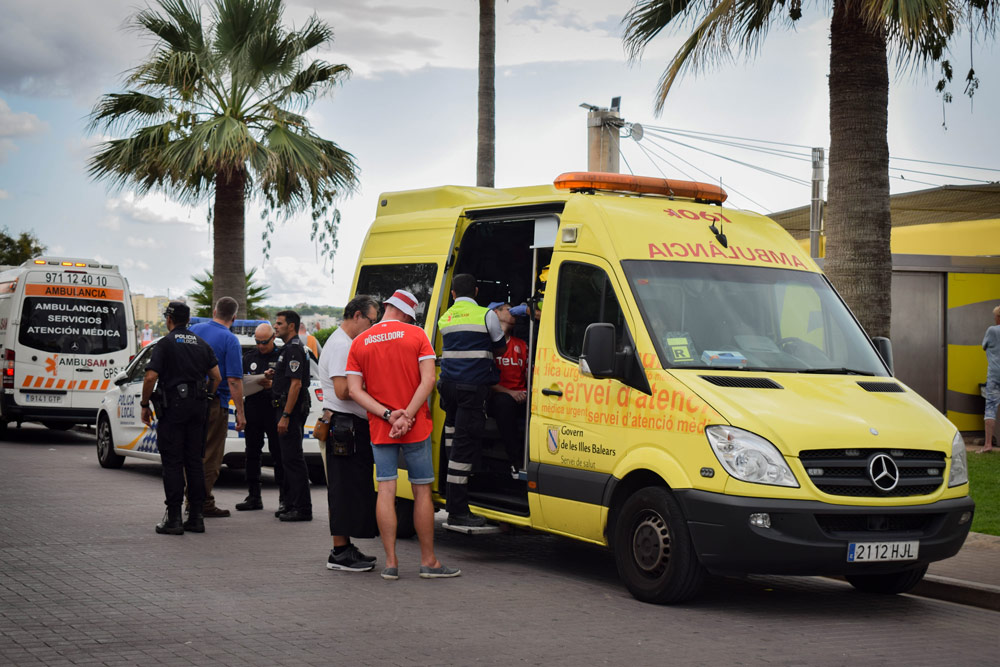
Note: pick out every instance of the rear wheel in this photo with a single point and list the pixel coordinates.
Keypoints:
(58, 426)
(888, 584)
(653, 549)
(106, 445)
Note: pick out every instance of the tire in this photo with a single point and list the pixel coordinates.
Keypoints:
(317, 475)
(106, 445)
(887, 584)
(58, 426)
(404, 519)
(653, 550)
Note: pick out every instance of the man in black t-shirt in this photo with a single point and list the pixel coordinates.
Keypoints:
(261, 420)
(178, 365)
(291, 398)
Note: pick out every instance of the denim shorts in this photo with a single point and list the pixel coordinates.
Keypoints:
(992, 394)
(418, 459)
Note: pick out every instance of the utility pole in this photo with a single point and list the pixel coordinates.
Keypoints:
(602, 136)
(816, 204)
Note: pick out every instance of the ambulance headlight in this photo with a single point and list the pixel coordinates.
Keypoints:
(749, 457)
(959, 465)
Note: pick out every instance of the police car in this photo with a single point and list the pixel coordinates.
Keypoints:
(121, 433)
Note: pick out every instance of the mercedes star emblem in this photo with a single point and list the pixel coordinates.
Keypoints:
(883, 471)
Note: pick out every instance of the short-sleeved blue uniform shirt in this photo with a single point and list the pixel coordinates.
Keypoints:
(227, 351)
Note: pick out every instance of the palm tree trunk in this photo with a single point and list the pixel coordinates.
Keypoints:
(485, 150)
(228, 276)
(858, 258)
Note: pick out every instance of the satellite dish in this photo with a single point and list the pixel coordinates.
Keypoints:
(637, 131)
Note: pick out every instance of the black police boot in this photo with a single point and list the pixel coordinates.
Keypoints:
(252, 502)
(171, 524)
(196, 519)
(281, 509)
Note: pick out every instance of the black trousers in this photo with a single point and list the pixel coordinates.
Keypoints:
(465, 410)
(261, 422)
(180, 437)
(509, 416)
(295, 478)
(350, 486)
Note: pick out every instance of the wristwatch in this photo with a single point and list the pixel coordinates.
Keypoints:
(286, 414)
(143, 405)
(387, 414)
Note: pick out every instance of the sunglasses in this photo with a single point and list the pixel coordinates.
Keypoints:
(263, 342)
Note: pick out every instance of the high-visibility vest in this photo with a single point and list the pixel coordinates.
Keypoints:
(468, 350)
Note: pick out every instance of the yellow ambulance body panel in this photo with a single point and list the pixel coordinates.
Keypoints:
(700, 399)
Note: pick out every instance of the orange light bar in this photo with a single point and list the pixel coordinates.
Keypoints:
(39, 261)
(597, 180)
(67, 263)
(79, 264)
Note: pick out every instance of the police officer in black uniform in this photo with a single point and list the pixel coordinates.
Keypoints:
(178, 365)
(291, 392)
(261, 421)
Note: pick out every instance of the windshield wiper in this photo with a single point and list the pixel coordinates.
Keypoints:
(836, 371)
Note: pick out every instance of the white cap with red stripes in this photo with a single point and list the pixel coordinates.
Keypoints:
(405, 301)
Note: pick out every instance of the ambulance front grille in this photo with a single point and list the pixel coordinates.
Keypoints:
(844, 472)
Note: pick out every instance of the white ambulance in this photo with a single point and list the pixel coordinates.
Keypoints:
(66, 330)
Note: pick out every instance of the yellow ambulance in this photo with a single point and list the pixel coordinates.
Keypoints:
(700, 399)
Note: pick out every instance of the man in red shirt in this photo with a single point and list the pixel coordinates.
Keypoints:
(390, 373)
(506, 403)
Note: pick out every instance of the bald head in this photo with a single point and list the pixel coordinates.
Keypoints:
(264, 337)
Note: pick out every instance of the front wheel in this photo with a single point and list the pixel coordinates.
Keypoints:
(106, 445)
(887, 584)
(653, 550)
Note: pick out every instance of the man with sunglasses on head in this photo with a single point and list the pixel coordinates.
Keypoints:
(261, 419)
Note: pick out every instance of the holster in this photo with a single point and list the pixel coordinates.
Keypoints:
(343, 435)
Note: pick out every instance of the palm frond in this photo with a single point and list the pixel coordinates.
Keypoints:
(118, 111)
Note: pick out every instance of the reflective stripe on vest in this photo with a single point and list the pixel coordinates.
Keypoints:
(467, 354)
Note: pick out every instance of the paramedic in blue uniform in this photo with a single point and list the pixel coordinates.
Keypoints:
(259, 411)
(291, 400)
(179, 363)
(471, 336)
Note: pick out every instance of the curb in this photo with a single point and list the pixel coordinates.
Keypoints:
(964, 592)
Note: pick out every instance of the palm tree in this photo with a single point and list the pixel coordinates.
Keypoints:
(256, 293)
(486, 144)
(217, 108)
(858, 259)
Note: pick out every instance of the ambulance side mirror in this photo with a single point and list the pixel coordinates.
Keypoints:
(884, 347)
(121, 379)
(598, 357)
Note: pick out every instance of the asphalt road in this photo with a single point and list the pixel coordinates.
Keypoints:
(85, 580)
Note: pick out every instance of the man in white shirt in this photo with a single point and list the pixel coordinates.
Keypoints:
(349, 459)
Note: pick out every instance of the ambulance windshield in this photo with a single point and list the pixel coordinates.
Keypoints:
(73, 326)
(751, 318)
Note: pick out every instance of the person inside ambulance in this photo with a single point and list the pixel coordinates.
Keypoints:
(471, 339)
(506, 401)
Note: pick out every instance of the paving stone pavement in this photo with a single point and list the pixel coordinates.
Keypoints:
(84, 580)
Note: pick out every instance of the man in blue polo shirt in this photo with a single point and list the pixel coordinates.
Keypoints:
(230, 357)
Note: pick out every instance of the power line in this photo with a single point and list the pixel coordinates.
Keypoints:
(797, 181)
(944, 164)
(710, 177)
(724, 136)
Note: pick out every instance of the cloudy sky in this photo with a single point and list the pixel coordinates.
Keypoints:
(408, 114)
